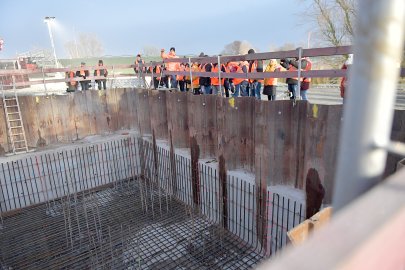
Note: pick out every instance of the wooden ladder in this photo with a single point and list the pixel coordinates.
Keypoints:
(15, 124)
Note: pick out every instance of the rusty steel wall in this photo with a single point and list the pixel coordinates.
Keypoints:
(158, 114)
(236, 130)
(177, 119)
(65, 118)
(203, 129)
(279, 142)
(143, 111)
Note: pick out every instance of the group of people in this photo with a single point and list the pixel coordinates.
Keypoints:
(231, 87)
(210, 85)
(100, 73)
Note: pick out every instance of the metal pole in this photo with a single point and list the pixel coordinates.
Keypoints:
(219, 75)
(44, 81)
(152, 81)
(48, 22)
(368, 112)
(191, 75)
(298, 94)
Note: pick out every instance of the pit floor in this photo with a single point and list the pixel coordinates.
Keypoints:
(130, 225)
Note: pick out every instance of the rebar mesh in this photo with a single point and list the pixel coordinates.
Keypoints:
(130, 204)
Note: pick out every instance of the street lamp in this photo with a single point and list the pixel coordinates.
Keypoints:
(48, 21)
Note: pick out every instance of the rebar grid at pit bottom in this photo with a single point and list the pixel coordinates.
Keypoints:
(117, 228)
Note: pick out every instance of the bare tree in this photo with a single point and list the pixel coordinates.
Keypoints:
(150, 50)
(237, 47)
(284, 47)
(87, 45)
(334, 20)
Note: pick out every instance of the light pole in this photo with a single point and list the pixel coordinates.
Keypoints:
(48, 21)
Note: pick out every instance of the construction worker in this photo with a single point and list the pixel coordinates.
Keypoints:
(171, 66)
(215, 83)
(140, 69)
(292, 83)
(181, 78)
(72, 83)
(241, 84)
(205, 82)
(156, 70)
(230, 67)
(270, 84)
(195, 67)
(306, 81)
(83, 73)
(255, 85)
(101, 71)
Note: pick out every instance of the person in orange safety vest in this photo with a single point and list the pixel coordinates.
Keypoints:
(171, 66)
(270, 84)
(255, 85)
(71, 84)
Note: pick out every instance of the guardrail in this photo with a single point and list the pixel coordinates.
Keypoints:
(315, 52)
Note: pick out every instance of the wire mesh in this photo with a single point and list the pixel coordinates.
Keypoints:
(130, 204)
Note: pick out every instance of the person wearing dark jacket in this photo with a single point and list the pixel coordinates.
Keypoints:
(205, 82)
(101, 71)
(84, 73)
(255, 85)
(292, 65)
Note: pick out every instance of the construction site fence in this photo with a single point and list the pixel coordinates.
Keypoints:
(299, 53)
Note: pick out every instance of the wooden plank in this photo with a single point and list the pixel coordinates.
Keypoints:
(177, 119)
(158, 114)
(301, 232)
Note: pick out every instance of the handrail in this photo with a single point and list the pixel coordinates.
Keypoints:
(314, 52)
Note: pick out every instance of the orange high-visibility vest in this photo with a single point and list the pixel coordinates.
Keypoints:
(254, 69)
(215, 80)
(180, 77)
(292, 68)
(158, 72)
(237, 81)
(272, 81)
(308, 67)
(196, 80)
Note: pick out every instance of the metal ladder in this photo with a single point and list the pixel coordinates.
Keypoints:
(15, 123)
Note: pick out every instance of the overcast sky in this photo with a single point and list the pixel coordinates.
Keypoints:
(125, 26)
